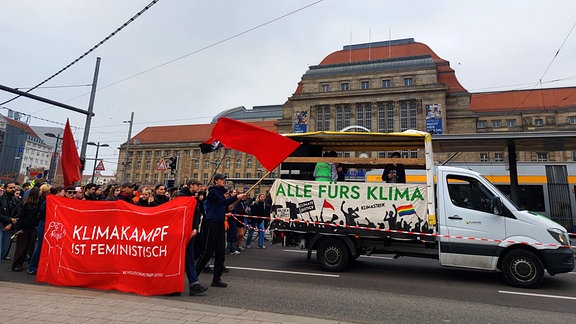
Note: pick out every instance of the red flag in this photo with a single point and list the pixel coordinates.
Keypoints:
(70, 159)
(328, 205)
(268, 147)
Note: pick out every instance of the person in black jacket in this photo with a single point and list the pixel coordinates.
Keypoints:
(35, 257)
(146, 199)
(160, 194)
(258, 209)
(394, 173)
(9, 207)
(215, 207)
(24, 228)
(190, 190)
(127, 192)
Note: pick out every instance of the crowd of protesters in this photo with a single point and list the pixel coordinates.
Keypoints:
(221, 219)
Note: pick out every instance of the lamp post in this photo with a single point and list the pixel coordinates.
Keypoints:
(54, 160)
(98, 145)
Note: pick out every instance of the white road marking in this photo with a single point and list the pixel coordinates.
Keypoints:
(362, 256)
(288, 272)
(536, 295)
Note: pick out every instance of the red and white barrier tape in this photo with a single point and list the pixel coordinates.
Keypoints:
(422, 234)
(247, 225)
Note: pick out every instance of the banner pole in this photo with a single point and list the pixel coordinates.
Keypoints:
(258, 182)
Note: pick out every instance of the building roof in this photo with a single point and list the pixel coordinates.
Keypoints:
(521, 100)
(270, 112)
(186, 133)
(22, 126)
(394, 51)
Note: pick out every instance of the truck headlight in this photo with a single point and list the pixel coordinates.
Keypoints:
(560, 236)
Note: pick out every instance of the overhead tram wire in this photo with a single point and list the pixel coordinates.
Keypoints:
(206, 47)
(549, 65)
(90, 50)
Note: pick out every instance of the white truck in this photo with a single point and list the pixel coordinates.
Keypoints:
(456, 216)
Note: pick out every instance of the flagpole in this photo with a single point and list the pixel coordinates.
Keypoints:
(258, 182)
(217, 165)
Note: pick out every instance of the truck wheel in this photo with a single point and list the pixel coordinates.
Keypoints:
(333, 255)
(523, 269)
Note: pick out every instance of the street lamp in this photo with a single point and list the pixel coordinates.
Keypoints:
(54, 160)
(98, 145)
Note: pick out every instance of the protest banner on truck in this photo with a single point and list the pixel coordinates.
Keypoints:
(346, 206)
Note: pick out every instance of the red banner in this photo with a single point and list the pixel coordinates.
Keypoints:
(114, 245)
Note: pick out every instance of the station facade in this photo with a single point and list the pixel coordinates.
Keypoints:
(388, 86)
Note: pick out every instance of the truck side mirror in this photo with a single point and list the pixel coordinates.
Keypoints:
(498, 208)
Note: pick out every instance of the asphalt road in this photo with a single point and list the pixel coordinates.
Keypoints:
(377, 289)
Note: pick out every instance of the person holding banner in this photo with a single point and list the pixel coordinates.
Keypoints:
(215, 207)
(127, 192)
(190, 190)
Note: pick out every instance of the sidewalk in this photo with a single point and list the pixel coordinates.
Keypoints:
(23, 303)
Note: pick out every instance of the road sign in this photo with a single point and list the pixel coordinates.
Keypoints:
(100, 166)
(161, 165)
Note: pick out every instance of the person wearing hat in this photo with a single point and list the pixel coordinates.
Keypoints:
(216, 207)
(127, 193)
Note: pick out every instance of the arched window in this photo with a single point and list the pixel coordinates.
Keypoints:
(249, 163)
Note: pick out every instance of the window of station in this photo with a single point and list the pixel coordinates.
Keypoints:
(325, 87)
(541, 156)
(344, 86)
(364, 85)
(572, 119)
(481, 124)
(498, 157)
(496, 123)
(386, 83)
(408, 82)
(511, 122)
(483, 157)
(538, 122)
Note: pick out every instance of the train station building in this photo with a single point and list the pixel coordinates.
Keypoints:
(388, 86)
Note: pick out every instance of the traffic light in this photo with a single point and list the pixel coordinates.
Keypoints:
(173, 164)
(82, 163)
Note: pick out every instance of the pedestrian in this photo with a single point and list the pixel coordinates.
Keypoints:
(113, 193)
(193, 187)
(160, 196)
(99, 194)
(232, 232)
(90, 191)
(9, 207)
(79, 194)
(24, 228)
(259, 211)
(241, 208)
(35, 258)
(326, 171)
(146, 199)
(127, 192)
(394, 172)
(215, 207)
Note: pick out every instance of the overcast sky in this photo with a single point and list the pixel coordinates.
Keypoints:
(180, 62)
